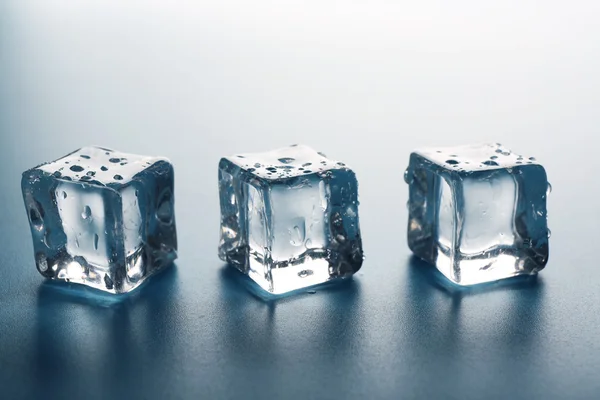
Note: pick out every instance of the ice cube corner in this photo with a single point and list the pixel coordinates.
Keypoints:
(289, 218)
(102, 218)
(478, 213)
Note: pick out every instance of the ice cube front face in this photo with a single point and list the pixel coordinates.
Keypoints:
(102, 218)
(289, 218)
(478, 212)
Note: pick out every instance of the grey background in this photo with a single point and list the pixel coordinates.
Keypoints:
(365, 82)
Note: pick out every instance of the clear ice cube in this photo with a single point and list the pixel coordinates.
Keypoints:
(102, 218)
(289, 218)
(478, 213)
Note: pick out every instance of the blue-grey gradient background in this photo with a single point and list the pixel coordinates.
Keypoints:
(364, 82)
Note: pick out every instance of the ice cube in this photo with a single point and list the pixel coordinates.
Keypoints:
(289, 218)
(478, 212)
(102, 218)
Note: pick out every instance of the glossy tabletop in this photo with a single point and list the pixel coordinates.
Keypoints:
(364, 82)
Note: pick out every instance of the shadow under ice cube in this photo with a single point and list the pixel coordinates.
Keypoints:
(102, 218)
(289, 218)
(478, 212)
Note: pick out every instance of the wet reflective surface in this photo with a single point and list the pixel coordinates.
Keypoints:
(366, 83)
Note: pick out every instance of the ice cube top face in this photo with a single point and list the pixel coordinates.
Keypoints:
(478, 212)
(102, 218)
(289, 218)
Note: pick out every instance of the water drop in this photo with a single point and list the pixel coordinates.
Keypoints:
(118, 177)
(306, 164)
(36, 218)
(85, 156)
(549, 190)
(115, 160)
(308, 171)
(297, 235)
(87, 213)
(341, 164)
(286, 160)
(96, 238)
(549, 233)
(321, 154)
(408, 177)
(91, 173)
(311, 291)
(452, 162)
(57, 174)
(531, 158)
(308, 243)
(490, 163)
(493, 157)
(42, 262)
(240, 156)
(164, 211)
(251, 169)
(305, 272)
(103, 168)
(76, 168)
(257, 165)
(64, 195)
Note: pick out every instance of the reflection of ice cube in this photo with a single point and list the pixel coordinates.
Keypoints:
(289, 218)
(478, 212)
(102, 218)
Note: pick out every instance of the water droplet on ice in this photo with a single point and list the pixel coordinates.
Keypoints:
(408, 177)
(297, 235)
(286, 160)
(42, 262)
(305, 272)
(87, 213)
(549, 189)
